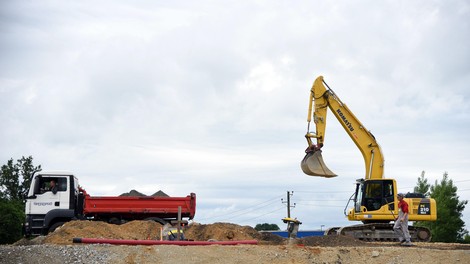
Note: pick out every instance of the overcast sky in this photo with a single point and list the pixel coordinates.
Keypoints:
(211, 97)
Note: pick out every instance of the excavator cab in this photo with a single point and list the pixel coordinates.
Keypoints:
(374, 201)
(371, 195)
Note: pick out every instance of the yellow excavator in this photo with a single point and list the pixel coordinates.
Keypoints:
(375, 200)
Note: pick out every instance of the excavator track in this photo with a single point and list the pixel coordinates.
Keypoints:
(379, 232)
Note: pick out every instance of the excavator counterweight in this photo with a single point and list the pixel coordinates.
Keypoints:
(313, 165)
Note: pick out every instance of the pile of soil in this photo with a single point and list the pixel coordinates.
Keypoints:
(135, 230)
(332, 241)
(273, 249)
(229, 232)
(144, 230)
(220, 232)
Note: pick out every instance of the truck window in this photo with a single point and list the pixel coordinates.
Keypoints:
(45, 184)
(62, 184)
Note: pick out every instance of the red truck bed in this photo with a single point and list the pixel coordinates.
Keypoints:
(141, 207)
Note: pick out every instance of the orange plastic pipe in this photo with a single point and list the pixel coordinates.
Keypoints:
(157, 242)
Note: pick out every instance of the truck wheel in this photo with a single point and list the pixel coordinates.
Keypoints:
(156, 219)
(55, 226)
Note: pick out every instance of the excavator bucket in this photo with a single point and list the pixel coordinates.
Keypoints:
(313, 165)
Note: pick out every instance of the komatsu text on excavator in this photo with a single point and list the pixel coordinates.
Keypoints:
(375, 201)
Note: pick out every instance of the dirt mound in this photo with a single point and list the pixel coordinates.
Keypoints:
(136, 230)
(160, 193)
(272, 249)
(220, 232)
(228, 232)
(133, 193)
(142, 230)
(28, 242)
(331, 241)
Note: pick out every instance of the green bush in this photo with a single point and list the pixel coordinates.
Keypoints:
(266, 227)
(11, 221)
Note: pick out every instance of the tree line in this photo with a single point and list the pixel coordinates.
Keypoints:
(15, 178)
(449, 226)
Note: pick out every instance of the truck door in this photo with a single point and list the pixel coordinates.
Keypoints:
(45, 199)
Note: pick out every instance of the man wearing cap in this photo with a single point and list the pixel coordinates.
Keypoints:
(401, 222)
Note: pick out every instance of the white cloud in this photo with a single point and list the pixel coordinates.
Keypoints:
(190, 97)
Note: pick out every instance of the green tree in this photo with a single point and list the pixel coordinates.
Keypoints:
(449, 226)
(15, 179)
(11, 217)
(422, 186)
(267, 227)
(466, 239)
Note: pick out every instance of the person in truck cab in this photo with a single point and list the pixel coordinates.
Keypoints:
(53, 186)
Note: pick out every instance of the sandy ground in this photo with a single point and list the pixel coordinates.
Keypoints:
(270, 248)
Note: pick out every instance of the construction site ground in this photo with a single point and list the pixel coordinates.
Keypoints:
(57, 247)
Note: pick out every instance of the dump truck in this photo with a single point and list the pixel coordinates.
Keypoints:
(50, 206)
(374, 201)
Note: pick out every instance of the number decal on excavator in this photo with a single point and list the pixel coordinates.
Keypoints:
(424, 209)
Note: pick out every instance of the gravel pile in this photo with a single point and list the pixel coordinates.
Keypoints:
(53, 254)
(57, 247)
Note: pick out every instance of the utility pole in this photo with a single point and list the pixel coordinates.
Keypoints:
(292, 224)
(289, 194)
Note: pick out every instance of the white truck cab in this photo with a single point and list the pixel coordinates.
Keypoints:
(45, 208)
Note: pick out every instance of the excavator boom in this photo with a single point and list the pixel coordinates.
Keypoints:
(322, 98)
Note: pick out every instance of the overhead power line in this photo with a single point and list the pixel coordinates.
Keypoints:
(321, 205)
(462, 181)
(325, 192)
(327, 200)
(258, 216)
(247, 210)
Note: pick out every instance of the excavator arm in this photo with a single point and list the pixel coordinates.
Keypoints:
(321, 98)
(375, 202)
